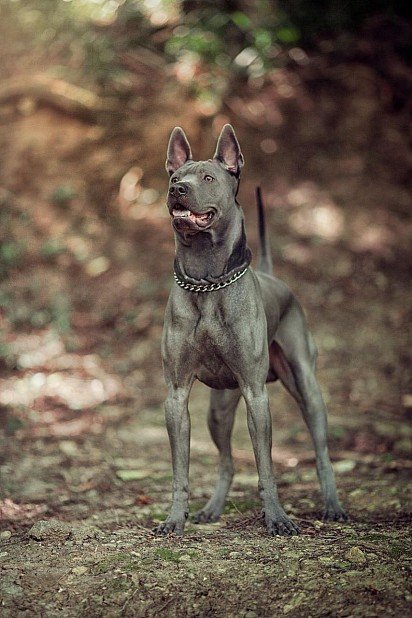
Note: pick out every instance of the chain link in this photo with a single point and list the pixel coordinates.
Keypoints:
(211, 287)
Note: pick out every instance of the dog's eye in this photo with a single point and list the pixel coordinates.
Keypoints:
(208, 178)
(174, 179)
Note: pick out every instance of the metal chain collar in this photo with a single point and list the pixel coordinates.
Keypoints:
(211, 287)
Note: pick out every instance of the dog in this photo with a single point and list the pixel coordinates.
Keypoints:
(234, 329)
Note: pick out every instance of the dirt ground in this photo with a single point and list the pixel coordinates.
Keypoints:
(112, 484)
(86, 269)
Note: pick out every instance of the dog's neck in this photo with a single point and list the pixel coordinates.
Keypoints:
(210, 255)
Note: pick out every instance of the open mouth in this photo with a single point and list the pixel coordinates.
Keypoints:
(200, 219)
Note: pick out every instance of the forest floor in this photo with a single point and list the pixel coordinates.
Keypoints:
(85, 277)
(102, 494)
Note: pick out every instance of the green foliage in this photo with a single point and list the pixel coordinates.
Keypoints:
(220, 40)
(5, 351)
(63, 194)
(12, 242)
(51, 248)
(396, 550)
(11, 252)
(167, 554)
(13, 424)
(60, 310)
(213, 31)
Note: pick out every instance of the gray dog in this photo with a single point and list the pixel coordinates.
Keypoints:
(233, 329)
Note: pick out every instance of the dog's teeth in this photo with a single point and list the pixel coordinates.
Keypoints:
(181, 213)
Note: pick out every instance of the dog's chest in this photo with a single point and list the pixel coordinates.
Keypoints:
(203, 337)
(212, 348)
(209, 338)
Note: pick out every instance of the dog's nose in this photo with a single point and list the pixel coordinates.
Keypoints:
(179, 188)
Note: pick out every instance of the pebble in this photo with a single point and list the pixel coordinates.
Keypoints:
(355, 555)
(80, 570)
(50, 530)
(56, 530)
(5, 535)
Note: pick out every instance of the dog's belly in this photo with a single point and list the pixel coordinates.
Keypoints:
(220, 376)
(219, 380)
(227, 380)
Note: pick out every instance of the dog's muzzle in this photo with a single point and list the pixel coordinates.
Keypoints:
(185, 218)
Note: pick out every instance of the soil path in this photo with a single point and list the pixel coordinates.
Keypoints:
(111, 488)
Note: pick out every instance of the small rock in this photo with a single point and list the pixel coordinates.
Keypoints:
(80, 570)
(50, 530)
(5, 535)
(251, 614)
(355, 555)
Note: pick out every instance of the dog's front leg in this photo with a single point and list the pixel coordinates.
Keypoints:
(260, 429)
(178, 427)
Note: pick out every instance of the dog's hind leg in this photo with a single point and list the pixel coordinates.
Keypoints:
(294, 362)
(221, 416)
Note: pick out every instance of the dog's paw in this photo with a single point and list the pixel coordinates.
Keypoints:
(207, 515)
(280, 525)
(335, 513)
(170, 526)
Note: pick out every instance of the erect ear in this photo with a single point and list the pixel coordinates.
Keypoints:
(228, 150)
(178, 150)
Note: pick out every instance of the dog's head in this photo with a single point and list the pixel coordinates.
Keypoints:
(202, 192)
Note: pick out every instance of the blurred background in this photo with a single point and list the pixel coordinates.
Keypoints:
(319, 94)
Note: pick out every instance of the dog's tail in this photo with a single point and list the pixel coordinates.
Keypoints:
(265, 264)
